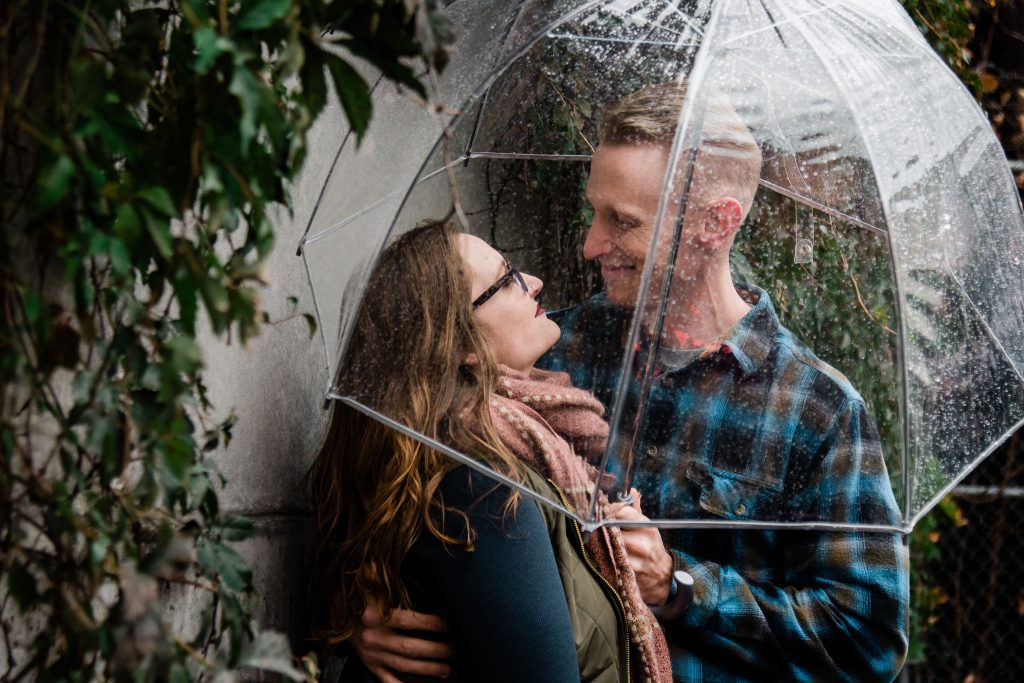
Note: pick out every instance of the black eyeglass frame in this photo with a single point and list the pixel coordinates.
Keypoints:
(512, 274)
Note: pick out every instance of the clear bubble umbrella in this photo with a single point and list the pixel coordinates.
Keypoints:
(886, 229)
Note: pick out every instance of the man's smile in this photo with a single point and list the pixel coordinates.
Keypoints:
(613, 270)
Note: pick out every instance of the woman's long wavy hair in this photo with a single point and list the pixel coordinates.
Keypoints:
(373, 490)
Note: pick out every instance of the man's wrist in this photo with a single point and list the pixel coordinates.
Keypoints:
(673, 588)
(680, 596)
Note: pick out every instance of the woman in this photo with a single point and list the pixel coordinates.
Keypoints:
(445, 342)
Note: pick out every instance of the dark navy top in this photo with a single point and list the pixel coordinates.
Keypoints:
(504, 602)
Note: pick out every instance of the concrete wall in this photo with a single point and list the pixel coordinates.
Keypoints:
(276, 386)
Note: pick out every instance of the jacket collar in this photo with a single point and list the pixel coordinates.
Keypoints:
(751, 340)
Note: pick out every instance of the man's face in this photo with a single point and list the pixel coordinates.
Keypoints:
(625, 189)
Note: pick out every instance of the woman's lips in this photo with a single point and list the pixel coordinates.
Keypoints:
(540, 311)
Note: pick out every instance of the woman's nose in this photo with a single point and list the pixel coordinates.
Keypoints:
(533, 284)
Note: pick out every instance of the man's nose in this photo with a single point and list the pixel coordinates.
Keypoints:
(596, 243)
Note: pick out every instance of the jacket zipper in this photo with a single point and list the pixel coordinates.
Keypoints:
(595, 572)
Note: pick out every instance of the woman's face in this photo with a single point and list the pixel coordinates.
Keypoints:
(512, 321)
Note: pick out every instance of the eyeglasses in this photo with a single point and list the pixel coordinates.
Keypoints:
(512, 274)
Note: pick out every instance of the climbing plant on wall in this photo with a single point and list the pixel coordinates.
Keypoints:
(143, 146)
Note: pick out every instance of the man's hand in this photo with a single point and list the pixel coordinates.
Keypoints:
(386, 650)
(651, 562)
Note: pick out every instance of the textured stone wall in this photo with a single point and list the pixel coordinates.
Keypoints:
(276, 386)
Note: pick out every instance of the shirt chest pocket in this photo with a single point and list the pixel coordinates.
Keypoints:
(730, 497)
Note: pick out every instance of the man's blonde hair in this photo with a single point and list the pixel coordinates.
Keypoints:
(728, 159)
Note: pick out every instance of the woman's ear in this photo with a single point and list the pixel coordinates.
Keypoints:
(471, 359)
(722, 219)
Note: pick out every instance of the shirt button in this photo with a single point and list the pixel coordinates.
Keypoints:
(741, 509)
(652, 451)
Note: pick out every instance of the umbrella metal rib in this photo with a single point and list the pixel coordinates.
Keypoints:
(984, 323)
(835, 213)
(593, 525)
(636, 324)
(901, 338)
(456, 455)
(948, 488)
(330, 172)
(610, 39)
(795, 196)
(742, 37)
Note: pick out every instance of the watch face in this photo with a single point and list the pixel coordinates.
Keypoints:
(683, 578)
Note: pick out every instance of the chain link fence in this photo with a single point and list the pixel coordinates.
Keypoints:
(976, 632)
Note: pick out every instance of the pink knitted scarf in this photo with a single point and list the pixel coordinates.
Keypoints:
(556, 428)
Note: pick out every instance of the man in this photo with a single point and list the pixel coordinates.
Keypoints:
(741, 422)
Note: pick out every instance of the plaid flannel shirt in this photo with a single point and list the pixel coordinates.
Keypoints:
(760, 428)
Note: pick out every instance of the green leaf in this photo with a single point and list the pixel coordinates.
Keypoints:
(314, 85)
(271, 652)
(246, 87)
(126, 224)
(384, 58)
(186, 355)
(218, 559)
(178, 674)
(257, 14)
(120, 258)
(198, 487)
(177, 460)
(195, 11)
(33, 305)
(353, 93)
(98, 551)
(159, 230)
(209, 46)
(215, 296)
(54, 181)
(159, 199)
(237, 528)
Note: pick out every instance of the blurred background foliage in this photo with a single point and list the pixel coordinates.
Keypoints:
(983, 42)
(144, 146)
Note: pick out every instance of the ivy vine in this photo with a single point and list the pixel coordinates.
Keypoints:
(143, 146)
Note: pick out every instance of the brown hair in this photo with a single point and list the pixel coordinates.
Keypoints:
(372, 489)
(728, 158)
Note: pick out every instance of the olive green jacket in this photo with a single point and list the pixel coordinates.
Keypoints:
(602, 648)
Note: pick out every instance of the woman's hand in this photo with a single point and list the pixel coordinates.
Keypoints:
(646, 552)
(386, 650)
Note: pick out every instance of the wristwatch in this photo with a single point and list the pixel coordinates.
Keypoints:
(680, 597)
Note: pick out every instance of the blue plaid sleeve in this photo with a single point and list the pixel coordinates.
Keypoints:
(835, 609)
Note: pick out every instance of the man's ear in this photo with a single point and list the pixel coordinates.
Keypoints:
(722, 219)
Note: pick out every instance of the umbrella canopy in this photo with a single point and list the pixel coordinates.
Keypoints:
(886, 230)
